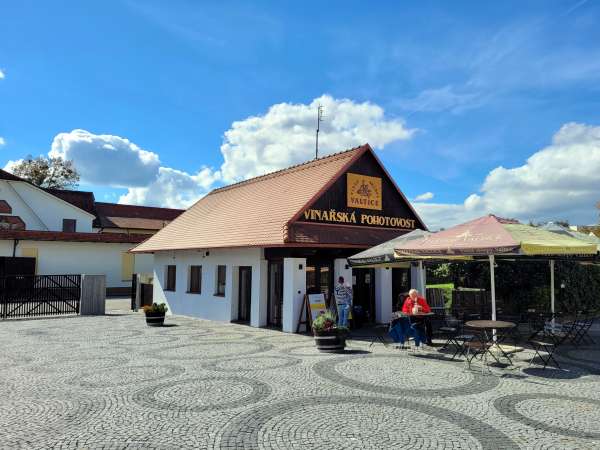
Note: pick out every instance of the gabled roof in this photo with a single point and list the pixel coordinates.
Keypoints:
(4, 175)
(108, 215)
(82, 199)
(255, 212)
(114, 215)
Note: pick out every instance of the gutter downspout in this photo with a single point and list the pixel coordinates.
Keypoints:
(15, 244)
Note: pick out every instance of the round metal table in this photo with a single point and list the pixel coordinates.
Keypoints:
(493, 339)
(490, 324)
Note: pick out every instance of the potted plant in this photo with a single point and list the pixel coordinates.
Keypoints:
(155, 314)
(329, 337)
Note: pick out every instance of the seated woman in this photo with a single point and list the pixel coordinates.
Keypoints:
(411, 301)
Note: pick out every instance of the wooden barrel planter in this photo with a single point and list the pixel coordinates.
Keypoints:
(330, 342)
(155, 319)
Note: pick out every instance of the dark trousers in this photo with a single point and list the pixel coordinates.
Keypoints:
(424, 324)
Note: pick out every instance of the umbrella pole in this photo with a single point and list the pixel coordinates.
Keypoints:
(552, 293)
(493, 286)
(493, 289)
(422, 277)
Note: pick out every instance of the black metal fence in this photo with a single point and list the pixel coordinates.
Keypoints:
(39, 295)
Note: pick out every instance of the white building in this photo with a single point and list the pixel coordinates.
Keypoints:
(250, 252)
(67, 232)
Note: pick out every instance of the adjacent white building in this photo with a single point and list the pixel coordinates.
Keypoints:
(68, 232)
(251, 251)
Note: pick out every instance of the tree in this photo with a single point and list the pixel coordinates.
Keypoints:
(48, 172)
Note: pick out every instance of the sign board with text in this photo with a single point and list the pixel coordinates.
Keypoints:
(317, 305)
(364, 196)
(363, 191)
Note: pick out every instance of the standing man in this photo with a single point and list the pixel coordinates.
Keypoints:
(343, 298)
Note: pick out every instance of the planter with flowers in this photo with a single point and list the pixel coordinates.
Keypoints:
(155, 314)
(328, 336)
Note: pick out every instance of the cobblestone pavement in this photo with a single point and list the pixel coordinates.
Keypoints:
(113, 382)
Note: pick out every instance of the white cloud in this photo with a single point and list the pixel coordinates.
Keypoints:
(424, 197)
(561, 181)
(10, 164)
(285, 135)
(106, 160)
(442, 99)
(172, 188)
(2, 141)
(2, 75)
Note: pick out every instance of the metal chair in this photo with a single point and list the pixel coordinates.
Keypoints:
(581, 330)
(547, 340)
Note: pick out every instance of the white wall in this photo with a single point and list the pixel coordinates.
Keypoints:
(258, 315)
(207, 305)
(294, 288)
(40, 210)
(92, 258)
(416, 279)
(341, 268)
(383, 295)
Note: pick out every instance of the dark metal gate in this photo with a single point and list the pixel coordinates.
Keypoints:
(39, 295)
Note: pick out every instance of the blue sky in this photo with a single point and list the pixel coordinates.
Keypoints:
(451, 92)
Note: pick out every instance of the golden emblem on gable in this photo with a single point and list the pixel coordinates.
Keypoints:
(363, 191)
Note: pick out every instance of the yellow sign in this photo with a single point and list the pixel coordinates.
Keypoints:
(363, 191)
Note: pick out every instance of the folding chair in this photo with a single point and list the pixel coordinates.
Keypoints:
(476, 347)
(581, 331)
(547, 340)
(456, 336)
(449, 331)
(380, 331)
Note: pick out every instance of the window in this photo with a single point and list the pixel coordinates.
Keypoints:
(221, 278)
(195, 280)
(69, 225)
(170, 274)
(127, 264)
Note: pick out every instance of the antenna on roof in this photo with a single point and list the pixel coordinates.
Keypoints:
(319, 120)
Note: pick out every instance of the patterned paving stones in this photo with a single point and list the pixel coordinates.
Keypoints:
(111, 382)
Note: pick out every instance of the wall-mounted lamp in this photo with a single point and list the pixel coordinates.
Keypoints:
(299, 266)
(346, 266)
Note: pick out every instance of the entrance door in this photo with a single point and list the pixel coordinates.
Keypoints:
(275, 295)
(364, 295)
(245, 294)
(319, 278)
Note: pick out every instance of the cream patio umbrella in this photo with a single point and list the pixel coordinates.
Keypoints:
(490, 237)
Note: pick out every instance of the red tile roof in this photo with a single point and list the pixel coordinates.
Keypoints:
(72, 237)
(110, 215)
(4, 175)
(5, 208)
(254, 212)
(82, 199)
(113, 215)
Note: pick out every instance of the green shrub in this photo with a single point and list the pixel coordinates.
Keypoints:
(326, 323)
(156, 308)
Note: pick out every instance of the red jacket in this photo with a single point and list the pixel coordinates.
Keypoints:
(408, 305)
